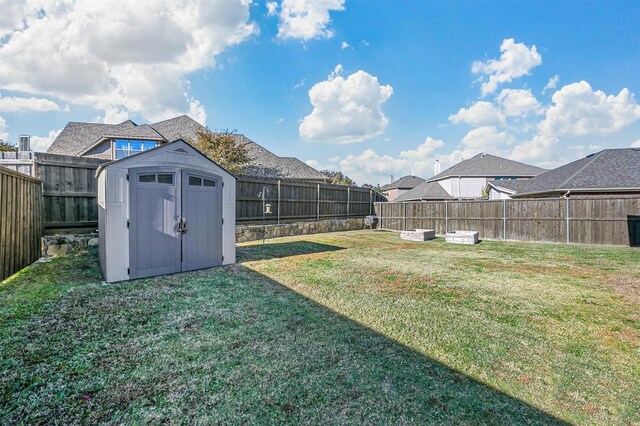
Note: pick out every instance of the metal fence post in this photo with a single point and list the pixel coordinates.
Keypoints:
(504, 220)
(446, 217)
(348, 199)
(318, 210)
(278, 201)
(568, 222)
(404, 216)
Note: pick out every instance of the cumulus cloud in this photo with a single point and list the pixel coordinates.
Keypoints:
(42, 143)
(515, 61)
(636, 144)
(344, 45)
(579, 110)
(16, 104)
(346, 110)
(134, 57)
(4, 134)
(551, 84)
(272, 8)
(306, 19)
(484, 139)
(478, 114)
(518, 102)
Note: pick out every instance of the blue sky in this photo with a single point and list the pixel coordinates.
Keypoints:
(373, 88)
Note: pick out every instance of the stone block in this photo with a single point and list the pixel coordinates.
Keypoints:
(462, 237)
(418, 235)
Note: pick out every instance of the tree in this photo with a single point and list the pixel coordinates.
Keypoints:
(338, 178)
(7, 147)
(223, 148)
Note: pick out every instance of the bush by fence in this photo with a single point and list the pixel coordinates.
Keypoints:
(20, 221)
(70, 194)
(613, 221)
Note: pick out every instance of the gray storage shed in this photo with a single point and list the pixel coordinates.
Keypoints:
(166, 210)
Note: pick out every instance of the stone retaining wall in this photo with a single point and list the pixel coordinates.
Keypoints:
(246, 233)
(53, 245)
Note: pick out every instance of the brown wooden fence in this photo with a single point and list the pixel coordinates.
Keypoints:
(70, 194)
(613, 221)
(293, 200)
(20, 221)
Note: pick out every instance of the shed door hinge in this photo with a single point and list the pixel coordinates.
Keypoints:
(223, 220)
(128, 224)
(128, 271)
(223, 258)
(127, 176)
(223, 184)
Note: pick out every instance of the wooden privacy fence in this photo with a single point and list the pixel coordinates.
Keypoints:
(613, 221)
(69, 186)
(70, 193)
(293, 200)
(20, 221)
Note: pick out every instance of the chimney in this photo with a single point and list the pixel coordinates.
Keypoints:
(436, 168)
(24, 144)
(391, 179)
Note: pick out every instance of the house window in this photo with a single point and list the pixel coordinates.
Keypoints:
(127, 147)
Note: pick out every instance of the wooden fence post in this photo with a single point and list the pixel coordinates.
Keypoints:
(279, 198)
(370, 202)
(446, 217)
(568, 222)
(404, 216)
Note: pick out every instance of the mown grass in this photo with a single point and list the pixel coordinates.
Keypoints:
(355, 327)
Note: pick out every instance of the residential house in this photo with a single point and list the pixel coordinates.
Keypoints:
(468, 179)
(398, 187)
(115, 141)
(608, 173)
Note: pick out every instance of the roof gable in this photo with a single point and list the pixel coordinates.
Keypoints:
(487, 165)
(609, 169)
(425, 191)
(405, 182)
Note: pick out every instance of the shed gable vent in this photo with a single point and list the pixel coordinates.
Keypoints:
(180, 150)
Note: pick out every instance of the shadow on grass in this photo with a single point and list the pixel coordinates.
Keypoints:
(224, 345)
(249, 253)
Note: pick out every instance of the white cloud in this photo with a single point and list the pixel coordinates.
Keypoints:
(344, 45)
(15, 104)
(42, 143)
(272, 8)
(478, 114)
(134, 57)
(484, 139)
(579, 110)
(346, 110)
(636, 144)
(552, 83)
(307, 19)
(518, 102)
(515, 61)
(4, 135)
(299, 84)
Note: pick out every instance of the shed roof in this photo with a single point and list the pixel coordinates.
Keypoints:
(405, 182)
(425, 191)
(487, 165)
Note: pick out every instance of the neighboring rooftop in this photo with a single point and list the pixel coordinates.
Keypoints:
(487, 165)
(512, 185)
(609, 170)
(425, 191)
(405, 182)
(78, 138)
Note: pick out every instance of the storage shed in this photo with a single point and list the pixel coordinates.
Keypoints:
(166, 210)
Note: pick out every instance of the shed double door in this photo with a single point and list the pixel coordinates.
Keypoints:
(175, 221)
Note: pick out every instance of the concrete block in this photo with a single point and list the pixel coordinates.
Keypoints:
(418, 235)
(462, 237)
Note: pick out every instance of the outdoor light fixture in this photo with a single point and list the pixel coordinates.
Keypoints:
(267, 209)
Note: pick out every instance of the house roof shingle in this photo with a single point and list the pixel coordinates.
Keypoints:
(607, 170)
(405, 182)
(425, 191)
(77, 138)
(487, 165)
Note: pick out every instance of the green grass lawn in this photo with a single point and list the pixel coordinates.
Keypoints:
(355, 327)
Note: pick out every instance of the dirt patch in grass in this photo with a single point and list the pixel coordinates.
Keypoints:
(626, 286)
